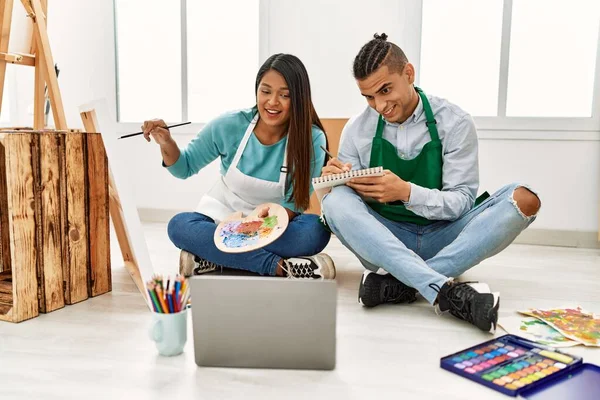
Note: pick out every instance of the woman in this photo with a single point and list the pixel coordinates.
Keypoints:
(269, 153)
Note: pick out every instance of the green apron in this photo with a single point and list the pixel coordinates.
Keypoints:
(424, 170)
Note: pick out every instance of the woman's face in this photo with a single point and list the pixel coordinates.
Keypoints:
(273, 99)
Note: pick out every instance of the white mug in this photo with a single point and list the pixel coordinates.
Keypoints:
(169, 332)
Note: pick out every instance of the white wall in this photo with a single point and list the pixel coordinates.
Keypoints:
(564, 172)
(326, 35)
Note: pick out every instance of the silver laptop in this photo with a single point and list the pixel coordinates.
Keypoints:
(264, 322)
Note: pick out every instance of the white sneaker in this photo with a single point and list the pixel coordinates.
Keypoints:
(319, 266)
(190, 264)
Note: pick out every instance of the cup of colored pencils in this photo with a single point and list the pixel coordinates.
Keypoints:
(168, 296)
(170, 299)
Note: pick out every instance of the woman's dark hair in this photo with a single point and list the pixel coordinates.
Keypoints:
(376, 53)
(302, 117)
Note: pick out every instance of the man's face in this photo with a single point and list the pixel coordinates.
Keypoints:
(391, 94)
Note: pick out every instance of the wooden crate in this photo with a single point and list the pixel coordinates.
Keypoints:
(54, 227)
(98, 214)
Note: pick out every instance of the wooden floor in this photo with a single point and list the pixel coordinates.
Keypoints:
(100, 348)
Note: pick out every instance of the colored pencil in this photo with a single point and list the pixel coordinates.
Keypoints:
(155, 302)
(163, 301)
(154, 306)
(186, 297)
(176, 294)
(170, 299)
(184, 286)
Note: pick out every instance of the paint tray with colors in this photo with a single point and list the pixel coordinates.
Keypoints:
(238, 234)
(516, 366)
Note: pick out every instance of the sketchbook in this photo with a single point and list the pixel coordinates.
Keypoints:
(340, 179)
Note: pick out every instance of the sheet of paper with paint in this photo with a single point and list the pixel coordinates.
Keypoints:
(536, 330)
(239, 234)
(574, 323)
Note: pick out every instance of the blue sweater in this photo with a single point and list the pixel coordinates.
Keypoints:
(221, 137)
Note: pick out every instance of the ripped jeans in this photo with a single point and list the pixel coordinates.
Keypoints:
(422, 255)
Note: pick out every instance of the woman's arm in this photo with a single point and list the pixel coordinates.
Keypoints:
(157, 128)
(201, 151)
(170, 152)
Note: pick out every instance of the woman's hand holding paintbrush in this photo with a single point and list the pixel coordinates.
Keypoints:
(158, 130)
(161, 124)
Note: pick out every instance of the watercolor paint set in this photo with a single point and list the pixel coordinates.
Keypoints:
(519, 367)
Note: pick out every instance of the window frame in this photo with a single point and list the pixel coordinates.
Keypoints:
(194, 127)
(499, 127)
(546, 128)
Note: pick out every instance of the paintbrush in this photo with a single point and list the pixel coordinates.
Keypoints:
(142, 132)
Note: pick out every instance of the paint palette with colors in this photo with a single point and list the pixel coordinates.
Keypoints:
(239, 234)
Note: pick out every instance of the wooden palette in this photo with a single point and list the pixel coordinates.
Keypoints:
(239, 234)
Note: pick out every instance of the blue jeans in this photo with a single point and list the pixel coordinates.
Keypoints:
(422, 255)
(304, 236)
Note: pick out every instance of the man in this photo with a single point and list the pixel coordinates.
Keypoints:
(418, 226)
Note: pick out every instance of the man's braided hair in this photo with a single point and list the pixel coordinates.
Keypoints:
(377, 53)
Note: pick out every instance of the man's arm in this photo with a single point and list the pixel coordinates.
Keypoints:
(460, 178)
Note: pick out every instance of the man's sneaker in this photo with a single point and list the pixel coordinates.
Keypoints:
(377, 289)
(470, 301)
(319, 266)
(190, 264)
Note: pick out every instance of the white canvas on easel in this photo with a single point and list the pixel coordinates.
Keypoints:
(119, 162)
(21, 32)
(20, 42)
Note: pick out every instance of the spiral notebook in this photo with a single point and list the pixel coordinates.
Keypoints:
(340, 179)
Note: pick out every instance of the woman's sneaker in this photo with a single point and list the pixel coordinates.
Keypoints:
(190, 264)
(319, 266)
(471, 302)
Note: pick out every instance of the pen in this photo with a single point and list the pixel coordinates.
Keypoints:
(326, 151)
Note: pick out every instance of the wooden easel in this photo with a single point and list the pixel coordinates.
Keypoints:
(45, 74)
(40, 58)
